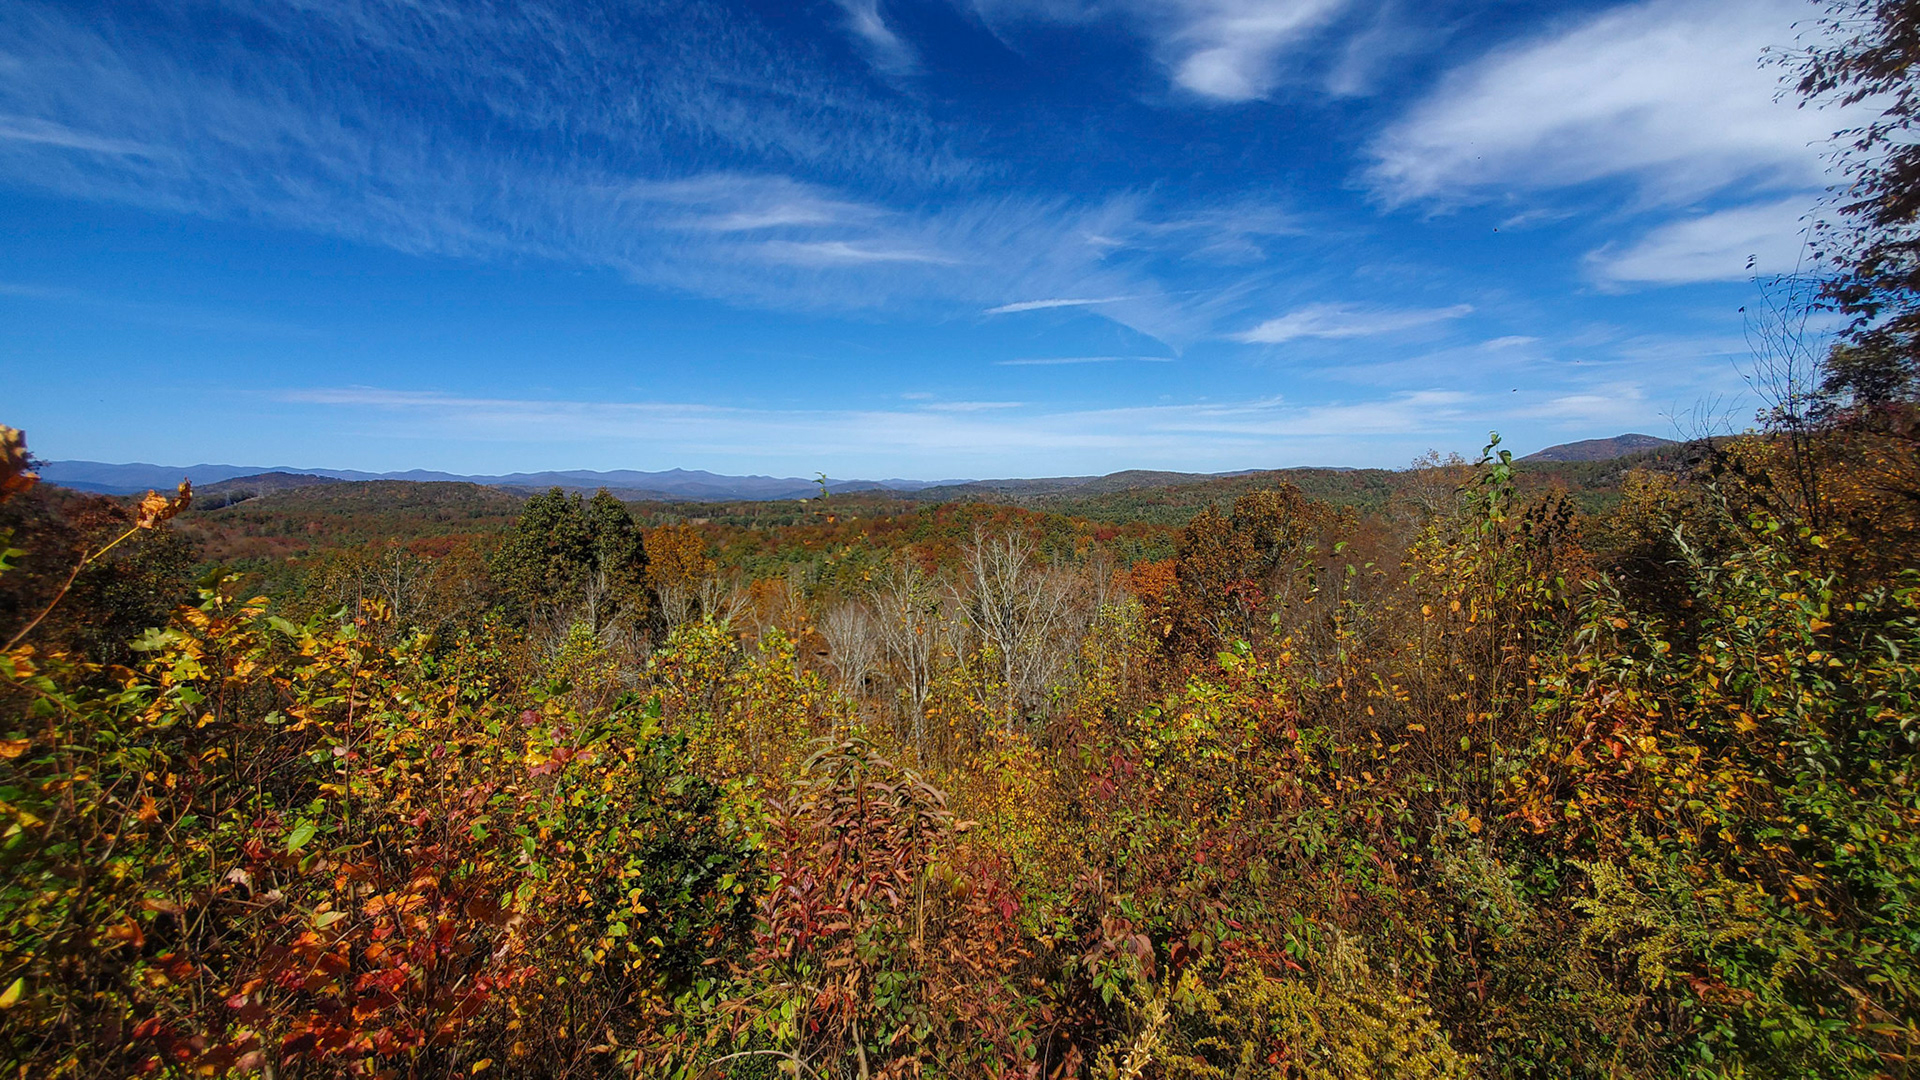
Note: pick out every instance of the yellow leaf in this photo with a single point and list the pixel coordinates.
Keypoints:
(12, 995)
(481, 1065)
(13, 748)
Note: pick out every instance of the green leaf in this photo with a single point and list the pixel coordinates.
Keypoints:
(153, 640)
(301, 833)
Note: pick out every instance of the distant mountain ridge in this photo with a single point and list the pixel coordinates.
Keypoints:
(223, 484)
(689, 484)
(1600, 449)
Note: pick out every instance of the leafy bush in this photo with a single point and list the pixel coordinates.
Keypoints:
(1491, 788)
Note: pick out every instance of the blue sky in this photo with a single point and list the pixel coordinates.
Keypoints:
(916, 238)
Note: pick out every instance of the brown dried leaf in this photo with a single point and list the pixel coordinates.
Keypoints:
(156, 508)
(15, 477)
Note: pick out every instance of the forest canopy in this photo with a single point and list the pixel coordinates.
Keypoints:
(1470, 782)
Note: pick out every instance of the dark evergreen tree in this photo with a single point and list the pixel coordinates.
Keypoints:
(584, 560)
(545, 562)
(619, 554)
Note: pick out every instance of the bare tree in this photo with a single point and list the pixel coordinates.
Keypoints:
(1024, 613)
(724, 600)
(1788, 349)
(678, 601)
(389, 574)
(1433, 482)
(1100, 578)
(907, 621)
(854, 644)
(402, 580)
(596, 599)
(1705, 423)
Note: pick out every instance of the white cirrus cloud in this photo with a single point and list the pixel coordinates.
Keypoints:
(642, 167)
(730, 202)
(1346, 321)
(31, 130)
(1042, 305)
(885, 49)
(1061, 361)
(1616, 405)
(1229, 49)
(1725, 245)
(840, 252)
(980, 438)
(1670, 94)
(1220, 50)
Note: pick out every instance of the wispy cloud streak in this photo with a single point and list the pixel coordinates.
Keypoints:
(1346, 321)
(1057, 361)
(1217, 50)
(885, 49)
(708, 161)
(1726, 245)
(961, 435)
(1669, 94)
(1042, 305)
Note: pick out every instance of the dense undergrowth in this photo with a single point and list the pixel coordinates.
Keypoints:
(1473, 786)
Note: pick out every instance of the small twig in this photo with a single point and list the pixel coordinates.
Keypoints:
(798, 1064)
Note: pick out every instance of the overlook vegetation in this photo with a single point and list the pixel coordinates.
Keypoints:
(1421, 773)
(1473, 769)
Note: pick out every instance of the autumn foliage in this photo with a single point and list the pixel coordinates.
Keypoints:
(1480, 785)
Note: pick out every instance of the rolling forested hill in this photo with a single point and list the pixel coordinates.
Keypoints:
(301, 518)
(279, 515)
